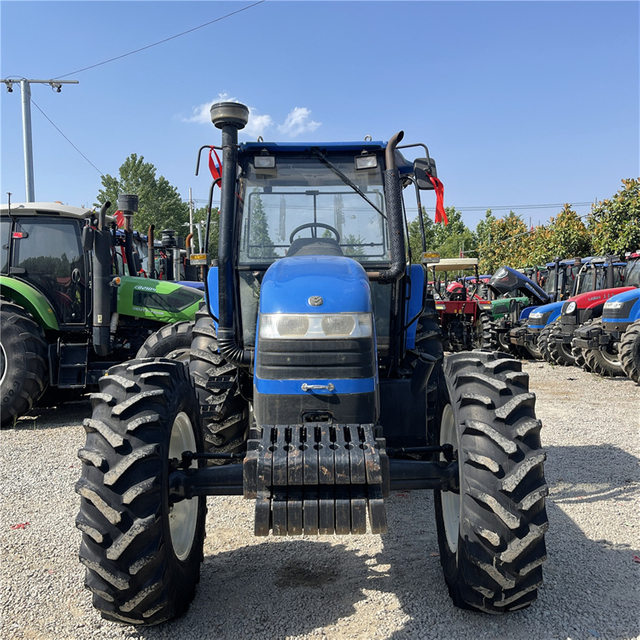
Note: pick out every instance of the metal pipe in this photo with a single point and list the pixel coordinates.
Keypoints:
(230, 118)
(393, 201)
(151, 257)
(25, 90)
(101, 277)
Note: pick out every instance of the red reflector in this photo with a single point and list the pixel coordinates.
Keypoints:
(17, 234)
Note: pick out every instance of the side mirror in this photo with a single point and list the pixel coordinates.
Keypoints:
(422, 167)
(87, 238)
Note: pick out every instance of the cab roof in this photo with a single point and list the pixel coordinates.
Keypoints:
(46, 208)
(404, 166)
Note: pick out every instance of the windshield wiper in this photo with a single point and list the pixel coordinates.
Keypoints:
(345, 178)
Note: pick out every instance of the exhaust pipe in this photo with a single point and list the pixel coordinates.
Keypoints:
(393, 202)
(101, 267)
(230, 117)
(151, 253)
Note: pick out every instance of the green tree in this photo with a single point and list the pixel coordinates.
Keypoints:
(200, 215)
(415, 241)
(565, 236)
(483, 228)
(454, 238)
(503, 243)
(614, 224)
(159, 202)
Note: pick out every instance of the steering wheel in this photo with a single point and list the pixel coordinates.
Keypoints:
(313, 225)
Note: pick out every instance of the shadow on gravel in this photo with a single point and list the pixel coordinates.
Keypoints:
(67, 414)
(286, 587)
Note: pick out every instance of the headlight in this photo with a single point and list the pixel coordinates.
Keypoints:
(613, 304)
(315, 326)
(571, 307)
(535, 315)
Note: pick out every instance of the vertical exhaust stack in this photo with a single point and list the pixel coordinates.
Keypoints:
(393, 201)
(128, 204)
(101, 277)
(229, 117)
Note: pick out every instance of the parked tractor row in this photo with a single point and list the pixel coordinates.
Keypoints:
(597, 328)
(74, 303)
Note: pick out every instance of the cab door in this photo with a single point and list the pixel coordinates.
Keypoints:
(47, 253)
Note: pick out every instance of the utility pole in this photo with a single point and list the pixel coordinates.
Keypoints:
(190, 212)
(25, 89)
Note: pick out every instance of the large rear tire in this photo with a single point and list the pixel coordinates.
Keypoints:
(491, 532)
(172, 341)
(23, 361)
(142, 552)
(225, 411)
(630, 351)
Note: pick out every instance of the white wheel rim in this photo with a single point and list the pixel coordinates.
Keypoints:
(3, 363)
(183, 516)
(450, 500)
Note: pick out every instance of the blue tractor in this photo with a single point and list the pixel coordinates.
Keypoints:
(558, 282)
(588, 275)
(611, 343)
(317, 384)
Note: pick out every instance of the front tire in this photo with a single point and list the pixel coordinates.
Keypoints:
(23, 361)
(142, 552)
(605, 361)
(172, 341)
(630, 351)
(560, 352)
(226, 412)
(544, 344)
(491, 532)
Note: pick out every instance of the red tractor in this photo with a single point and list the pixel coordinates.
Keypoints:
(463, 313)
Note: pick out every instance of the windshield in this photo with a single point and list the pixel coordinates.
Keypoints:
(586, 279)
(633, 274)
(335, 202)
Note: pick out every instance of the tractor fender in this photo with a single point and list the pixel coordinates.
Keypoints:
(32, 300)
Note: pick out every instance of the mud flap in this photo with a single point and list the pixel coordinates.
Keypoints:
(317, 478)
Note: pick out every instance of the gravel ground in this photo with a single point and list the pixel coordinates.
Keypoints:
(362, 587)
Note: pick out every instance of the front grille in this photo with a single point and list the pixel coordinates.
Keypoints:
(315, 359)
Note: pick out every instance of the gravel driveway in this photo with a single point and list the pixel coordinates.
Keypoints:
(360, 587)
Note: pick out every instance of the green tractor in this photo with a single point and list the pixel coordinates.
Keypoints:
(72, 303)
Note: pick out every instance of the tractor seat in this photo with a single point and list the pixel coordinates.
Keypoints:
(314, 247)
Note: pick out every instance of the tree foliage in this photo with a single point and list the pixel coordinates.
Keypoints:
(159, 202)
(613, 228)
(614, 224)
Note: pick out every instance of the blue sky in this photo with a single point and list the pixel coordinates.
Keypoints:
(520, 103)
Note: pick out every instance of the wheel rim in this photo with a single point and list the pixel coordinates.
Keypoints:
(477, 338)
(612, 358)
(183, 516)
(3, 363)
(450, 500)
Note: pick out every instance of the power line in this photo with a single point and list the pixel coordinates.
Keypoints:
(155, 44)
(519, 206)
(65, 137)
